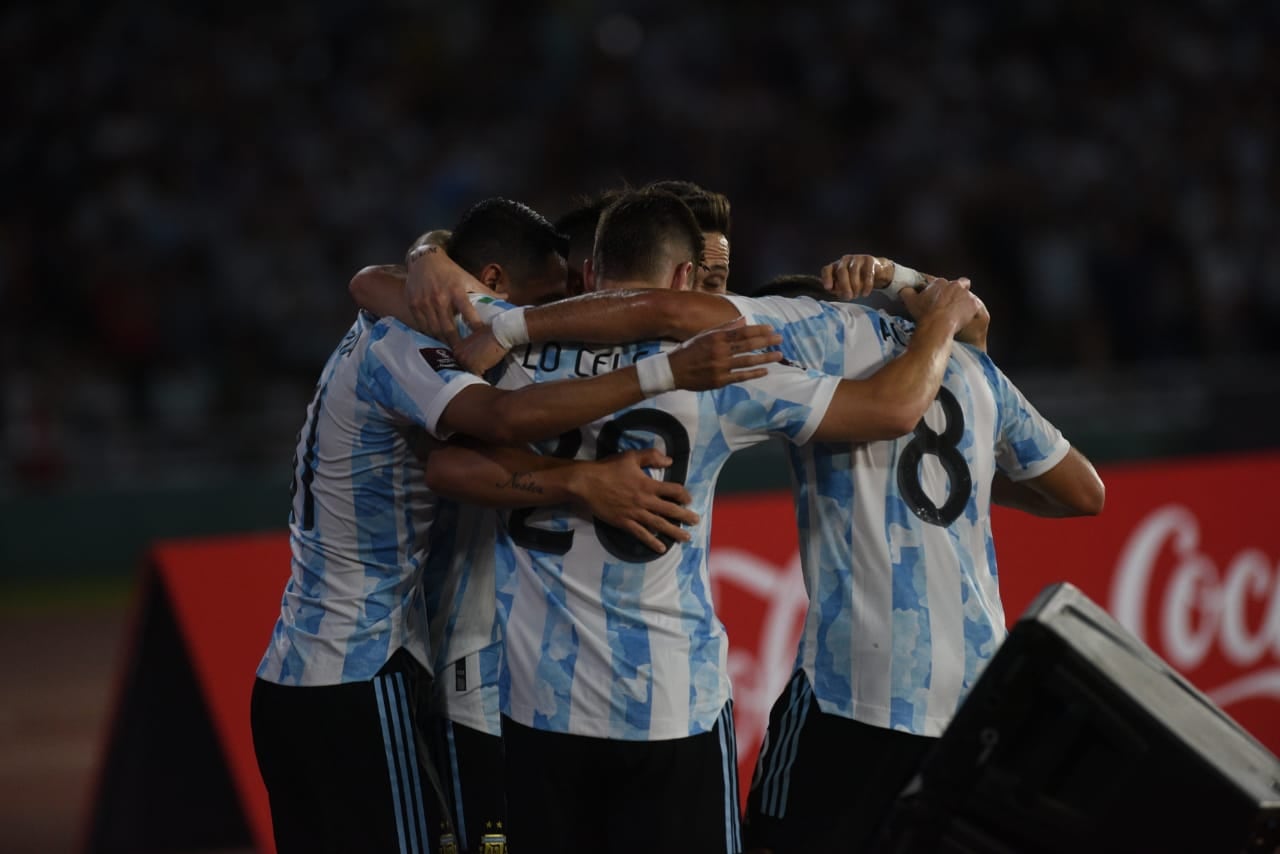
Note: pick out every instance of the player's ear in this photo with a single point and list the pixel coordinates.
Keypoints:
(682, 277)
(493, 277)
(588, 276)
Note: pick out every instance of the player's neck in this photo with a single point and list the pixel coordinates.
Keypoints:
(630, 284)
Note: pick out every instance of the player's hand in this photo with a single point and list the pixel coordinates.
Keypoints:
(724, 354)
(974, 332)
(437, 289)
(947, 299)
(618, 491)
(479, 351)
(855, 276)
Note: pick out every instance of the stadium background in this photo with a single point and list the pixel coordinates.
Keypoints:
(188, 188)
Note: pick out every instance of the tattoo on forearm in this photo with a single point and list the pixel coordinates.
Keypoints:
(523, 481)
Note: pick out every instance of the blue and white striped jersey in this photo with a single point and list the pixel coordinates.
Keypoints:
(462, 608)
(603, 637)
(895, 536)
(362, 512)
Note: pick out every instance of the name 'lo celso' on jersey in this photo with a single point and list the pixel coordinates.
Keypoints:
(604, 637)
(362, 513)
(895, 536)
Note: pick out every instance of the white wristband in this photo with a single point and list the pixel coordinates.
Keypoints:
(510, 329)
(903, 277)
(655, 374)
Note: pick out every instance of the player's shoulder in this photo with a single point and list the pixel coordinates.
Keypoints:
(983, 370)
(391, 332)
(393, 344)
(801, 308)
(776, 307)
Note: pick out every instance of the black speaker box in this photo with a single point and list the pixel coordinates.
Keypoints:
(1078, 739)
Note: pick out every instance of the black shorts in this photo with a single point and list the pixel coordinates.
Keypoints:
(571, 793)
(342, 763)
(823, 782)
(472, 772)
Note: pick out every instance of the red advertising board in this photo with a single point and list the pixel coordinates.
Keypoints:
(1185, 556)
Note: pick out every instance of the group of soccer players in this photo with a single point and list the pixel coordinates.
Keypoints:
(483, 640)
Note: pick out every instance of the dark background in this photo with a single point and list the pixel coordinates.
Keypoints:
(188, 187)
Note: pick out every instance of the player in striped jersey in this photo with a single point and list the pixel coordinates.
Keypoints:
(875, 679)
(515, 251)
(711, 210)
(615, 659)
(349, 654)
(898, 561)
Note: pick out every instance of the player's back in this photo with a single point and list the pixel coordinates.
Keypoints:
(605, 637)
(895, 535)
(361, 510)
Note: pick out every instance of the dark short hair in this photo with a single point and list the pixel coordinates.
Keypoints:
(502, 231)
(795, 285)
(579, 223)
(641, 232)
(709, 208)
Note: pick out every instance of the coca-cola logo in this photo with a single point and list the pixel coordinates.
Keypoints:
(1199, 608)
(762, 606)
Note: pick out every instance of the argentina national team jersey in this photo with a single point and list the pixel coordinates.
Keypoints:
(362, 512)
(604, 638)
(895, 536)
(462, 609)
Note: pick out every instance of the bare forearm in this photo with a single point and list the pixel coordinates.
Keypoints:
(911, 381)
(890, 403)
(1019, 496)
(380, 289)
(616, 317)
(544, 410)
(500, 477)
(1070, 488)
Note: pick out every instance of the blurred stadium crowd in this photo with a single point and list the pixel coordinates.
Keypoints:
(189, 187)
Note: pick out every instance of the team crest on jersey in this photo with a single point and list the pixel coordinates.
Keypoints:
(440, 359)
(448, 845)
(494, 840)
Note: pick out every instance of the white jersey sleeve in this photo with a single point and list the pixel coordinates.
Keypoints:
(829, 337)
(1027, 445)
(766, 406)
(411, 375)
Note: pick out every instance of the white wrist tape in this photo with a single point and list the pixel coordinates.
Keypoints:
(510, 328)
(655, 374)
(903, 277)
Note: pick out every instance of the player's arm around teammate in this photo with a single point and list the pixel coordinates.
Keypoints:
(547, 409)
(886, 405)
(617, 490)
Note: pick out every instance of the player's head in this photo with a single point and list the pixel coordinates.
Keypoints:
(805, 285)
(711, 210)
(512, 249)
(645, 239)
(794, 285)
(579, 225)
